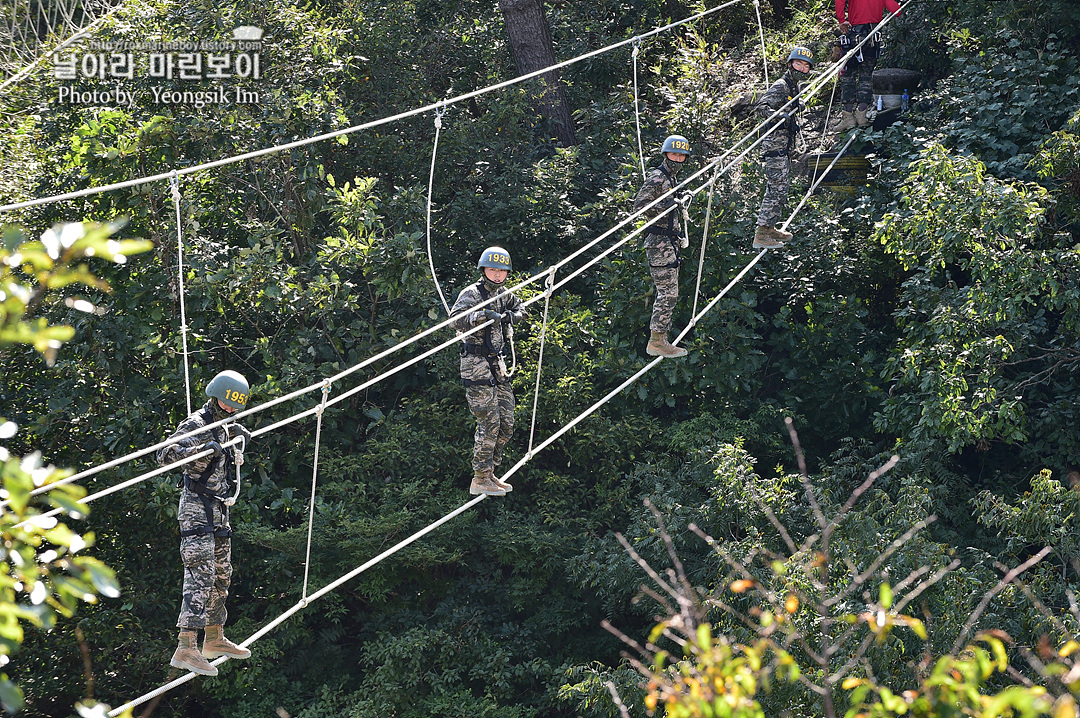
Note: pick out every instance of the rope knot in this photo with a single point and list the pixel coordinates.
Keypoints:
(637, 45)
(174, 185)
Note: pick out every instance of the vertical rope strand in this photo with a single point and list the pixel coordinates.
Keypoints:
(637, 112)
(761, 33)
(825, 127)
(705, 239)
(548, 286)
(174, 185)
(439, 112)
(314, 480)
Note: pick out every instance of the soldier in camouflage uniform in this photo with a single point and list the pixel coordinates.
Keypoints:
(663, 239)
(778, 147)
(205, 544)
(483, 369)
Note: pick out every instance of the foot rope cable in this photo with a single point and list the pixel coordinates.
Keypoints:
(439, 112)
(174, 186)
(306, 600)
(427, 332)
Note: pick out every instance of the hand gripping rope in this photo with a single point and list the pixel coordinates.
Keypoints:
(637, 113)
(174, 184)
(238, 460)
(439, 112)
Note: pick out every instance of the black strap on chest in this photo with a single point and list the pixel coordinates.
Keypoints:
(669, 233)
(485, 349)
(206, 496)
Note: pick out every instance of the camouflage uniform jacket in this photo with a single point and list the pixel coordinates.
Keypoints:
(492, 339)
(218, 480)
(660, 179)
(780, 142)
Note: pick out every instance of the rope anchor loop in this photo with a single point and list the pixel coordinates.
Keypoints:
(325, 394)
(174, 185)
(439, 112)
(549, 283)
(637, 47)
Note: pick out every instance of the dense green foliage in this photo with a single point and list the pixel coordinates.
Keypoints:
(932, 313)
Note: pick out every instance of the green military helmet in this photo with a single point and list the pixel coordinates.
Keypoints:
(496, 258)
(677, 144)
(801, 53)
(230, 387)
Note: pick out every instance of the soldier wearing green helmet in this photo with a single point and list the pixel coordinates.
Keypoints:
(205, 543)
(778, 146)
(483, 366)
(663, 239)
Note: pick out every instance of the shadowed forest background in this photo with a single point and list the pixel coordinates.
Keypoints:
(932, 313)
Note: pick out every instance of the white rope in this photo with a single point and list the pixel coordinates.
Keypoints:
(635, 215)
(637, 113)
(828, 111)
(697, 317)
(761, 32)
(548, 285)
(367, 125)
(439, 112)
(704, 240)
(174, 184)
(431, 527)
(304, 603)
(314, 480)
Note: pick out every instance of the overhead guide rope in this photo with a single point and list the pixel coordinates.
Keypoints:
(174, 184)
(356, 128)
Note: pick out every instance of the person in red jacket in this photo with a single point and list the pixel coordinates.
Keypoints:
(857, 19)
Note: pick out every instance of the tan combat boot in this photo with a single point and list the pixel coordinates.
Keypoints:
(658, 346)
(483, 482)
(861, 119)
(188, 658)
(847, 121)
(770, 238)
(504, 485)
(215, 644)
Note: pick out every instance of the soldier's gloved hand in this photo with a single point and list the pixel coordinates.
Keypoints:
(213, 446)
(486, 314)
(508, 318)
(239, 430)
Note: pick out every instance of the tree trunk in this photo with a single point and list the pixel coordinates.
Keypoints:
(530, 41)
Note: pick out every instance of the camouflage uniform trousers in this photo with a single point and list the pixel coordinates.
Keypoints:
(778, 179)
(207, 565)
(857, 78)
(660, 253)
(493, 407)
